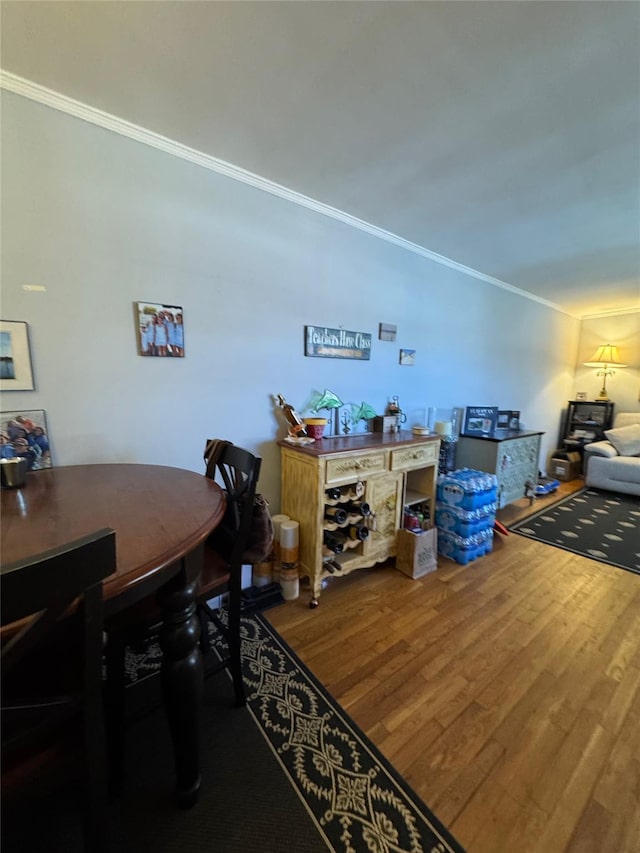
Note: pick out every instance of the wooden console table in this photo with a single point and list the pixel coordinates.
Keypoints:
(387, 470)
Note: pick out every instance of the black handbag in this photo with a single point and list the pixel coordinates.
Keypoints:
(262, 534)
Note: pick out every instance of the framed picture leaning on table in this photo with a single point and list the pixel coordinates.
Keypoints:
(25, 434)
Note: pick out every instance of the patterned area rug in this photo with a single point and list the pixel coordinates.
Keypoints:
(604, 526)
(356, 800)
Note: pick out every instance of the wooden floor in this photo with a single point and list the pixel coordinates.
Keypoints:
(506, 692)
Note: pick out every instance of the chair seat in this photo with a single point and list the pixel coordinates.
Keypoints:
(221, 572)
(215, 575)
(22, 763)
(52, 716)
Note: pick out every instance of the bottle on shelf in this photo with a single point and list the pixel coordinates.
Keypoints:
(333, 542)
(335, 514)
(357, 507)
(296, 425)
(356, 531)
(355, 491)
(333, 494)
(413, 520)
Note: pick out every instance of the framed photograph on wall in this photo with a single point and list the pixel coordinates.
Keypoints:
(408, 357)
(25, 434)
(16, 373)
(160, 329)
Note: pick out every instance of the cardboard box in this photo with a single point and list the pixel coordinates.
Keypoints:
(417, 553)
(566, 466)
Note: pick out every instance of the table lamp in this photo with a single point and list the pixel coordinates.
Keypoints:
(605, 357)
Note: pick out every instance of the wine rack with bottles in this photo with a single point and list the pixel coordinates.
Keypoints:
(348, 493)
(347, 523)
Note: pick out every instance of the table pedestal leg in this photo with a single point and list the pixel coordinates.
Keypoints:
(182, 674)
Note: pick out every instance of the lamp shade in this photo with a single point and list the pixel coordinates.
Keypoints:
(605, 355)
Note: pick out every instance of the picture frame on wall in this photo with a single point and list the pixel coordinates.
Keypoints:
(25, 434)
(160, 330)
(408, 357)
(16, 372)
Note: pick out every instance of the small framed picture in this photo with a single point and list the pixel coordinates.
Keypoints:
(387, 331)
(160, 329)
(514, 420)
(503, 419)
(581, 395)
(408, 357)
(16, 373)
(25, 434)
(480, 420)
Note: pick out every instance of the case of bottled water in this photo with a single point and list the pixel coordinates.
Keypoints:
(465, 514)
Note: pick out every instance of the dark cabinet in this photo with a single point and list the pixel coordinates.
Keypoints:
(585, 422)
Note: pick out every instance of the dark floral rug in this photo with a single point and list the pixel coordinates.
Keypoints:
(356, 800)
(604, 526)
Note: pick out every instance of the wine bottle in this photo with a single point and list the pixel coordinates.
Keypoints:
(334, 543)
(333, 494)
(296, 425)
(354, 491)
(359, 507)
(336, 514)
(357, 531)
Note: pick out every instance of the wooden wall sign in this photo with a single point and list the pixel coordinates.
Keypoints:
(322, 342)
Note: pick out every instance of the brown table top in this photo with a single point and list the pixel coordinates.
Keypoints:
(361, 441)
(159, 514)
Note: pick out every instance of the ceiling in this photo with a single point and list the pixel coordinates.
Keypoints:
(504, 136)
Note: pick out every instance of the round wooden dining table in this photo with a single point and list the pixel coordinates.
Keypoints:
(162, 517)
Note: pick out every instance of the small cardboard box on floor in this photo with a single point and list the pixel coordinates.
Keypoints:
(417, 553)
(566, 465)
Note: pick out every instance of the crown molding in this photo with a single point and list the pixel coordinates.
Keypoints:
(613, 313)
(55, 100)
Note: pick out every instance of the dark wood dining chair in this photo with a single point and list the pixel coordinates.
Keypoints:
(52, 702)
(237, 471)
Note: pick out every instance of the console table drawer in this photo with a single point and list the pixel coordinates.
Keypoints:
(346, 467)
(407, 458)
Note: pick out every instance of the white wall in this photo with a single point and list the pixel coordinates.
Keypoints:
(102, 221)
